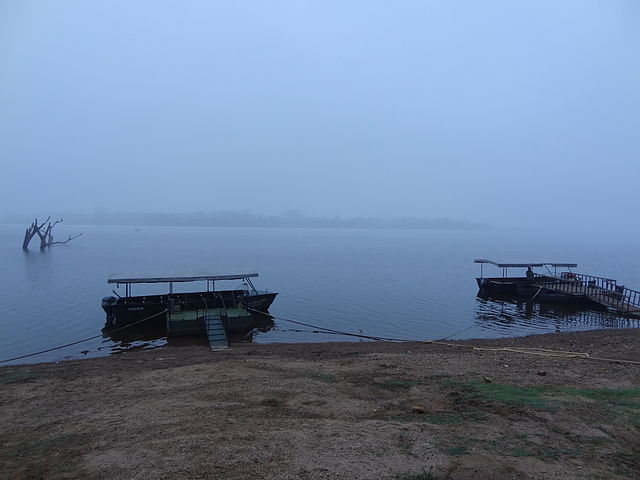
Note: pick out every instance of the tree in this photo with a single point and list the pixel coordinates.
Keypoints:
(44, 232)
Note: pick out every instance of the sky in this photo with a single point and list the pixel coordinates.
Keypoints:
(509, 113)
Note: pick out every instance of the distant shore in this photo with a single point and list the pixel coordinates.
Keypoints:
(248, 219)
(479, 409)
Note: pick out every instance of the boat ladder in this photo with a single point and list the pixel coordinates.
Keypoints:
(215, 331)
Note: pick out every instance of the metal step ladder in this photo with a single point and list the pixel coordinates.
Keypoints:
(215, 331)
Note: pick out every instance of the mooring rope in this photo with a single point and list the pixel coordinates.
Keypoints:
(522, 350)
(531, 299)
(83, 340)
(330, 330)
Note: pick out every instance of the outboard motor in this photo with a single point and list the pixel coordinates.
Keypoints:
(108, 302)
(107, 306)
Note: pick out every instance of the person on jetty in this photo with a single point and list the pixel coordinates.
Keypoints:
(529, 275)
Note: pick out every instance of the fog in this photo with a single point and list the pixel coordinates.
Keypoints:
(514, 114)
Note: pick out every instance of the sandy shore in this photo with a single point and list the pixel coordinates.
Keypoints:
(328, 411)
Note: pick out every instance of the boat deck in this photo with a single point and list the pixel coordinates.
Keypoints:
(600, 290)
(199, 321)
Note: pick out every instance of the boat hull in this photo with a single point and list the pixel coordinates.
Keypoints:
(154, 311)
(521, 287)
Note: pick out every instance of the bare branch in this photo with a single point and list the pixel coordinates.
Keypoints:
(31, 232)
(35, 223)
(67, 240)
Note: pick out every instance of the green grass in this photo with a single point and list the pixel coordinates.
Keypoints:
(634, 419)
(508, 395)
(435, 418)
(17, 377)
(323, 377)
(629, 398)
(406, 448)
(398, 384)
(30, 449)
(418, 476)
(458, 450)
(520, 452)
(517, 446)
(628, 459)
(541, 398)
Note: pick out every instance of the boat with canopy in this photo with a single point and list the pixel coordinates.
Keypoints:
(129, 308)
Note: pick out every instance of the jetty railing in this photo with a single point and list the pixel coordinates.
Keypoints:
(605, 291)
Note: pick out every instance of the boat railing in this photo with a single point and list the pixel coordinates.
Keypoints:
(603, 290)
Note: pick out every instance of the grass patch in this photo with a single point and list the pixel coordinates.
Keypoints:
(18, 376)
(406, 448)
(520, 452)
(628, 460)
(322, 377)
(540, 397)
(398, 384)
(418, 476)
(509, 395)
(634, 419)
(516, 446)
(458, 450)
(629, 398)
(436, 418)
(30, 449)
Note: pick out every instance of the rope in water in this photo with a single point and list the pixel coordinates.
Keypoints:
(523, 350)
(80, 341)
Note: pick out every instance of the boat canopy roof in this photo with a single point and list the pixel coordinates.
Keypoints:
(525, 265)
(170, 277)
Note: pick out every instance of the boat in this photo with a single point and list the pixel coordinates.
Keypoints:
(568, 286)
(528, 285)
(185, 312)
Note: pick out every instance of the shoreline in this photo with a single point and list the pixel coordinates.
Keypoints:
(553, 338)
(332, 410)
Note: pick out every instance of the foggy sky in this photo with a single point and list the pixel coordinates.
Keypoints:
(510, 113)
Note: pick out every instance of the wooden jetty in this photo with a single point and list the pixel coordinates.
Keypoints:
(600, 290)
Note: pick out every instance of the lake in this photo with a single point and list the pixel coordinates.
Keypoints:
(408, 284)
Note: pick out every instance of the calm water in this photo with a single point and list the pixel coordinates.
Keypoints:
(402, 284)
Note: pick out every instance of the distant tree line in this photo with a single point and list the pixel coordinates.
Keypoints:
(289, 219)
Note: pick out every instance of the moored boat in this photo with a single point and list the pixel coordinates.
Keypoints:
(527, 286)
(235, 306)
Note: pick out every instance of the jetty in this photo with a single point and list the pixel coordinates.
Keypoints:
(565, 286)
(600, 290)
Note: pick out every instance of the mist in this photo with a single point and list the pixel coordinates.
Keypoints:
(515, 114)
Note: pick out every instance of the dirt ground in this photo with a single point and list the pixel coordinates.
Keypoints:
(331, 411)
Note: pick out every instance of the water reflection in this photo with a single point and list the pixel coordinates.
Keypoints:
(141, 337)
(517, 317)
(37, 266)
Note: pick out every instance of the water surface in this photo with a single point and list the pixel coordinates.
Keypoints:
(409, 284)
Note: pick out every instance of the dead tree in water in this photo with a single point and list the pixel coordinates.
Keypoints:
(44, 232)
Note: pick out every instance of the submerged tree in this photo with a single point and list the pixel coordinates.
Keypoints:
(44, 232)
